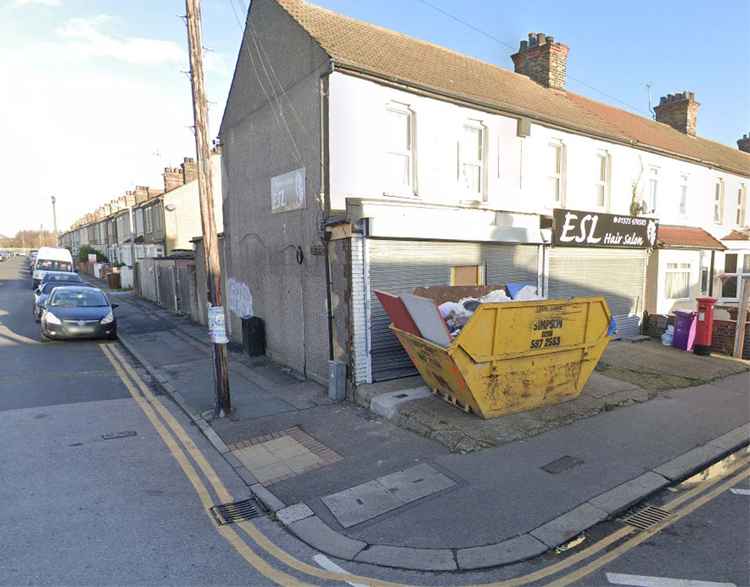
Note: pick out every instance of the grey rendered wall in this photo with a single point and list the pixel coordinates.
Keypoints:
(262, 139)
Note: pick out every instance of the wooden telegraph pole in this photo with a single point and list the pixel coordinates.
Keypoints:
(205, 191)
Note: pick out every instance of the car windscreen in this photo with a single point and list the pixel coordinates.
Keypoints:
(61, 277)
(50, 285)
(78, 298)
(50, 265)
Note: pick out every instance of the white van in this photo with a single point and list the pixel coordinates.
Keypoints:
(51, 259)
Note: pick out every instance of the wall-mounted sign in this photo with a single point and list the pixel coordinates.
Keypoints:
(576, 228)
(288, 191)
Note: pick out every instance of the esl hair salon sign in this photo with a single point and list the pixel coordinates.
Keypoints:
(576, 228)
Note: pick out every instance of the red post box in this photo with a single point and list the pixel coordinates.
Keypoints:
(705, 327)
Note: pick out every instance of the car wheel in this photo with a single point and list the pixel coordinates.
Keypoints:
(43, 337)
(112, 336)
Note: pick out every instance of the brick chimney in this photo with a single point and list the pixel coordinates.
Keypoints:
(743, 144)
(172, 178)
(189, 170)
(543, 60)
(680, 111)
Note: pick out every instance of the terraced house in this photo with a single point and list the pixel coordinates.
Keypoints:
(357, 158)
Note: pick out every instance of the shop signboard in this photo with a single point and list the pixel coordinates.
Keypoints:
(578, 228)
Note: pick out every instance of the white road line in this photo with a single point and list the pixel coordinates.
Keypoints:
(643, 581)
(326, 563)
(740, 491)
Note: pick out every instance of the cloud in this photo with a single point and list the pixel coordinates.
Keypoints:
(49, 3)
(85, 35)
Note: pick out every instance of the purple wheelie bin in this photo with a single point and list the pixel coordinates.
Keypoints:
(684, 330)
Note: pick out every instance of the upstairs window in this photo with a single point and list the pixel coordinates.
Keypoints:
(683, 194)
(741, 205)
(601, 181)
(471, 159)
(719, 202)
(400, 149)
(653, 189)
(148, 220)
(554, 167)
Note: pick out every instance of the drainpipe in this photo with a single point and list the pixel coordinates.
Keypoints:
(326, 198)
(711, 276)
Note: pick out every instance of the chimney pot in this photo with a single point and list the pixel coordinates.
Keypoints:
(540, 38)
(524, 46)
(743, 144)
(543, 60)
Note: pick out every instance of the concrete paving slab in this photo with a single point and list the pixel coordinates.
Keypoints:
(565, 527)
(418, 559)
(600, 386)
(625, 495)
(733, 439)
(509, 551)
(689, 462)
(293, 513)
(320, 536)
(415, 482)
(361, 503)
(387, 404)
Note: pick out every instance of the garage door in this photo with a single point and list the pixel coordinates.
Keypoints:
(616, 274)
(400, 266)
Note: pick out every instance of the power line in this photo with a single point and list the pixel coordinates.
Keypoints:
(513, 48)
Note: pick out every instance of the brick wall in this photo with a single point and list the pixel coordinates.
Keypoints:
(723, 338)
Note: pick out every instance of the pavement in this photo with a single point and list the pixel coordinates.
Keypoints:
(369, 489)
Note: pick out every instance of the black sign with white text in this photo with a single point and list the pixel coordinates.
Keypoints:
(576, 228)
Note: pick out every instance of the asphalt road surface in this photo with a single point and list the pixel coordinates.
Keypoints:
(103, 481)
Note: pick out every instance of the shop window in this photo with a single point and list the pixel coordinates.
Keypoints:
(554, 166)
(471, 159)
(467, 275)
(683, 194)
(400, 149)
(718, 201)
(678, 281)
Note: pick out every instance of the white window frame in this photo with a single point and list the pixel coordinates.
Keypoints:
(481, 163)
(654, 175)
(409, 189)
(682, 267)
(739, 273)
(600, 183)
(682, 202)
(741, 215)
(558, 174)
(718, 201)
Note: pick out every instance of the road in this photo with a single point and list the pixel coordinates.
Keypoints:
(103, 481)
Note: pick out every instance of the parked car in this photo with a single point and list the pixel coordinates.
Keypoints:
(60, 276)
(78, 312)
(42, 293)
(51, 259)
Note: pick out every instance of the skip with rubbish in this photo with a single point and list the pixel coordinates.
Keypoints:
(498, 349)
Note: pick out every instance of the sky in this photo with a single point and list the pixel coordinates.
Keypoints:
(94, 98)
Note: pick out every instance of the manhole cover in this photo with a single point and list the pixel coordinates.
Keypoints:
(646, 517)
(562, 464)
(239, 511)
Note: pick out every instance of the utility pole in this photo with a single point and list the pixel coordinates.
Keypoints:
(205, 191)
(54, 217)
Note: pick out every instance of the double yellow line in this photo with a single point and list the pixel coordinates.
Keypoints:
(185, 452)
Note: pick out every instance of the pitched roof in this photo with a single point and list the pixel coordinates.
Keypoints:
(396, 57)
(686, 237)
(738, 235)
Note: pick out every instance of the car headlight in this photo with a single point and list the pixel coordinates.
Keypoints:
(50, 318)
(109, 318)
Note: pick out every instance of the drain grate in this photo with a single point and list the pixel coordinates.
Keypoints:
(239, 511)
(646, 517)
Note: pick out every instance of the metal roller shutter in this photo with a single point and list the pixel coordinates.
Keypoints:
(616, 274)
(400, 266)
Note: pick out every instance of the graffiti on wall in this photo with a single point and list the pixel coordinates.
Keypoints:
(239, 297)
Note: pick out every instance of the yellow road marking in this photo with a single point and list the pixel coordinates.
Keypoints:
(227, 532)
(643, 536)
(271, 548)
